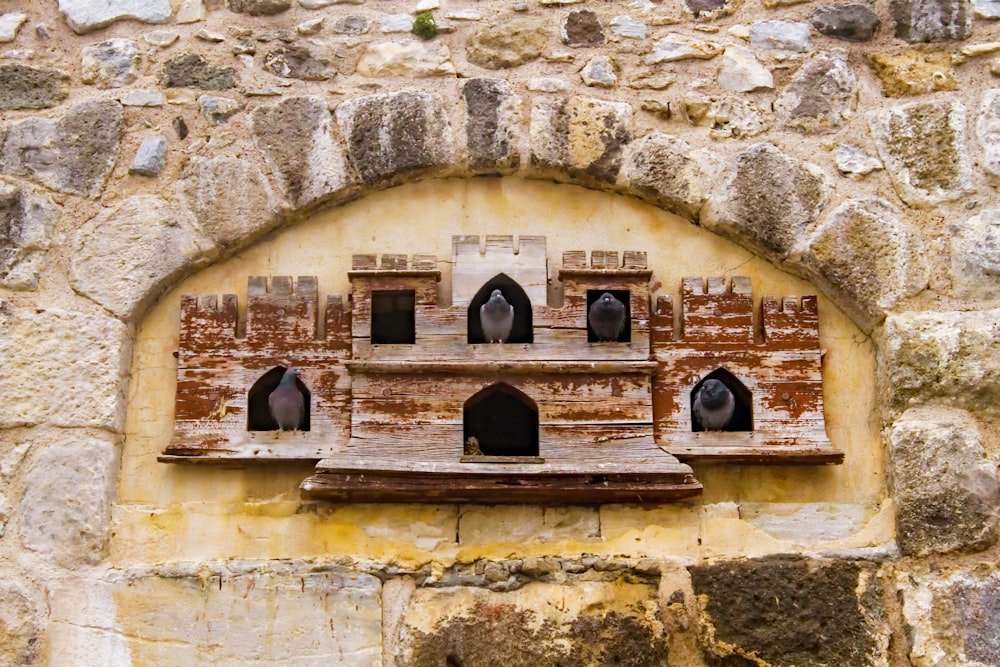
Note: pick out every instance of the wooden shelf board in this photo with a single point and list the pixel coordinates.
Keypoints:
(508, 367)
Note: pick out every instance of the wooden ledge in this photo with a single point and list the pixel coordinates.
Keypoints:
(751, 447)
(504, 367)
(621, 273)
(396, 273)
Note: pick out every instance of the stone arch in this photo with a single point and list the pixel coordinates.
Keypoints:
(310, 158)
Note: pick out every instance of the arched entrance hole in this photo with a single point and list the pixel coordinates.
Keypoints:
(515, 295)
(504, 421)
(259, 414)
(742, 419)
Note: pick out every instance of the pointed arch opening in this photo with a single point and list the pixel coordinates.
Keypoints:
(503, 420)
(742, 419)
(521, 331)
(623, 295)
(259, 413)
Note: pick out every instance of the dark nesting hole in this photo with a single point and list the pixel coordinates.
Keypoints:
(503, 420)
(259, 414)
(742, 419)
(394, 317)
(521, 331)
(622, 295)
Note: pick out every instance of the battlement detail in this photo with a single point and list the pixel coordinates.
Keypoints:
(393, 263)
(476, 262)
(603, 260)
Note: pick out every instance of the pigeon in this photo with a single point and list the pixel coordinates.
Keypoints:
(607, 317)
(286, 402)
(496, 317)
(714, 405)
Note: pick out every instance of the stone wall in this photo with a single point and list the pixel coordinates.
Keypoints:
(854, 146)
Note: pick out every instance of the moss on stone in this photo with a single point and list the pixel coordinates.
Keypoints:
(424, 26)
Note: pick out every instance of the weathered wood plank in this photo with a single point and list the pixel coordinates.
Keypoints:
(511, 367)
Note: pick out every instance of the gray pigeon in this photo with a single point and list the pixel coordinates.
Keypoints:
(607, 317)
(496, 317)
(714, 405)
(286, 402)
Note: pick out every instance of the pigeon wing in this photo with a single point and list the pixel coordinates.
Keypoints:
(287, 406)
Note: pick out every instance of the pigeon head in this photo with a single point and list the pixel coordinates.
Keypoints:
(607, 298)
(497, 295)
(290, 374)
(713, 393)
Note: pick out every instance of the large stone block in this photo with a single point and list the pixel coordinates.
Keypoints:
(784, 611)
(767, 200)
(670, 172)
(923, 146)
(230, 198)
(492, 114)
(988, 133)
(865, 252)
(74, 154)
(66, 507)
(932, 20)
(23, 87)
(582, 137)
(295, 138)
(21, 631)
(110, 64)
(951, 619)
(395, 136)
(821, 96)
(933, 355)
(510, 44)
(527, 524)
(975, 256)
(268, 615)
(594, 623)
(125, 257)
(62, 368)
(190, 70)
(944, 485)
(86, 15)
(406, 58)
(910, 73)
(27, 218)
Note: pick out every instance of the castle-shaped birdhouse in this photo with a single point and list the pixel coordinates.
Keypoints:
(408, 397)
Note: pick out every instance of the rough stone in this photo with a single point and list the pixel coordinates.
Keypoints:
(86, 15)
(626, 26)
(865, 252)
(350, 25)
(10, 24)
(110, 64)
(394, 135)
(741, 72)
(821, 96)
(395, 22)
(987, 9)
(66, 509)
(910, 73)
(74, 154)
(923, 146)
(582, 28)
(581, 136)
(142, 98)
(680, 47)
(854, 162)
(975, 256)
(319, 4)
(464, 14)
(152, 244)
(27, 219)
(295, 138)
(932, 20)
(734, 119)
(988, 133)
(710, 8)
(190, 11)
(150, 157)
(21, 631)
(948, 618)
(668, 171)
(492, 115)
(310, 27)
(807, 523)
(218, 109)
(852, 22)
(767, 200)
(407, 58)
(189, 70)
(941, 355)
(164, 38)
(23, 87)
(297, 62)
(600, 623)
(513, 43)
(784, 35)
(230, 198)
(944, 486)
(784, 610)
(258, 7)
(548, 84)
(600, 71)
(337, 617)
(90, 350)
